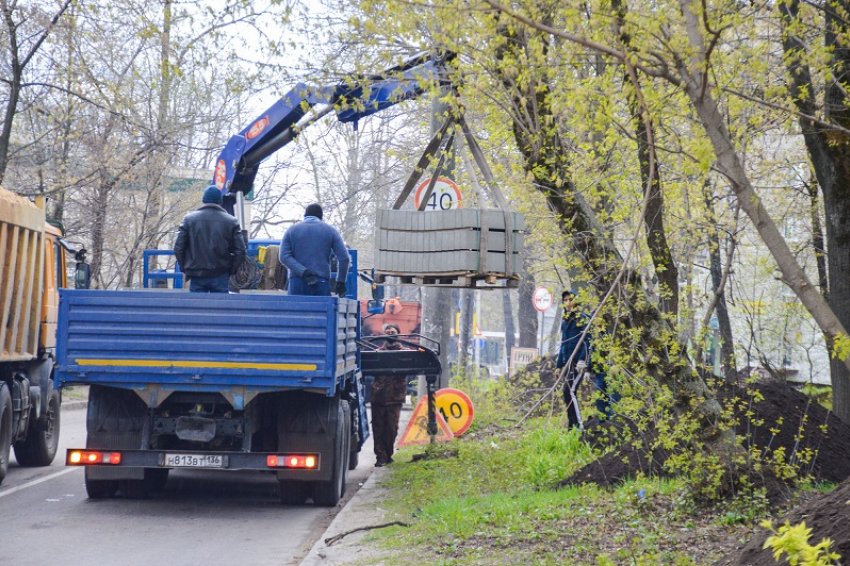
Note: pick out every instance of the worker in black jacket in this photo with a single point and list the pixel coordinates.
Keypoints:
(209, 246)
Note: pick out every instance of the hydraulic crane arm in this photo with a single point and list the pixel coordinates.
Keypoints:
(351, 99)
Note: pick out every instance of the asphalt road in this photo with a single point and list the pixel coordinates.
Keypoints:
(202, 517)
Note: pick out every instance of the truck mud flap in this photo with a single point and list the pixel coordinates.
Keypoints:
(114, 473)
(308, 422)
(115, 420)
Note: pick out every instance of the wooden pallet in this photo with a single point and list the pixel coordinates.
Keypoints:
(465, 280)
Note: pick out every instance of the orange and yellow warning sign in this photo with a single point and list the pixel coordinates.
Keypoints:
(456, 409)
(417, 428)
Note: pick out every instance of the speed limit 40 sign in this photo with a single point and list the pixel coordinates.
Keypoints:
(446, 195)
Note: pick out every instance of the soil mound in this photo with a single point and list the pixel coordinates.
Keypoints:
(772, 415)
(827, 515)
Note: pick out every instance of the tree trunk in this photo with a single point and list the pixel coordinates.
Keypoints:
(436, 312)
(526, 313)
(830, 156)
(14, 92)
(818, 240)
(467, 329)
(98, 231)
(727, 343)
(546, 159)
(656, 235)
(729, 164)
(17, 63)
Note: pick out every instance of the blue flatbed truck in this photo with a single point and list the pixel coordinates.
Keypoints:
(249, 381)
(255, 380)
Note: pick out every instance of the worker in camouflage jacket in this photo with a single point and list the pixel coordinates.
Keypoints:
(388, 395)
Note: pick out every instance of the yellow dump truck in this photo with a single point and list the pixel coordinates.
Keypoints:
(32, 268)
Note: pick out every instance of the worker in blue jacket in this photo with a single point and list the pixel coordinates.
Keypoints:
(573, 346)
(306, 249)
(573, 324)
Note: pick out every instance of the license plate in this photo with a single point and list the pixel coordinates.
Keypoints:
(194, 461)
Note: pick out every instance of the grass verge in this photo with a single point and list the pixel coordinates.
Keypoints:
(488, 497)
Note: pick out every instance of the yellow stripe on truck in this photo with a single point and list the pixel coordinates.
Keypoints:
(194, 364)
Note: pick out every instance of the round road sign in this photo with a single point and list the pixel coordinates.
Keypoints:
(446, 195)
(456, 409)
(542, 299)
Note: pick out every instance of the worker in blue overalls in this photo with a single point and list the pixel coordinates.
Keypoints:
(573, 325)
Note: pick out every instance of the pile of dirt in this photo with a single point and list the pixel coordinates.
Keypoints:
(827, 515)
(540, 372)
(786, 418)
(772, 415)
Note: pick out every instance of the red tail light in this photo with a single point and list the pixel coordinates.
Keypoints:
(302, 461)
(87, 457)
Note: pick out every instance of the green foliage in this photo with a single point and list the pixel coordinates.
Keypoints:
(745, 509)
(841, 347)
(820, 393)
(794, 542)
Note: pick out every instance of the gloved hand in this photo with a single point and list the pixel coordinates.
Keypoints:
(309, 277)
(580, 365)
(340, 289)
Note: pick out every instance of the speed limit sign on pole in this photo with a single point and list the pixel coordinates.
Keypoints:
(446, 195)
(542, 299)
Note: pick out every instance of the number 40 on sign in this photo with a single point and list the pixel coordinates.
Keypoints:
(446, 195)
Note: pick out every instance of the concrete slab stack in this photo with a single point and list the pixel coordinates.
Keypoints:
(456, 248)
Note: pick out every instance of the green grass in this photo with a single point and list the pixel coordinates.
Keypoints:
(75, 393)
(490, 497)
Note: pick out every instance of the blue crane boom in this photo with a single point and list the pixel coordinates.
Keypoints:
(352, 99)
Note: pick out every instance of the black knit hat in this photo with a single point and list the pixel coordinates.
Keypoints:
(212, 195)
(314, 210)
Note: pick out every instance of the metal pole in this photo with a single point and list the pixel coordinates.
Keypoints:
(437, 311)
(240, 209)
(539, 333)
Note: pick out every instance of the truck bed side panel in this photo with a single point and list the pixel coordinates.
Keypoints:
(21, 274)
(205, 342)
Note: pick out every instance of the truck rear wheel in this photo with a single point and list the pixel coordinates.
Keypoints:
(154, 480)
(137, 489)
(115, 421)
(294, 492)
(353, 451)
(353, 460)
(39, 447)
(159, 478)
(328, 493)
(5, 429)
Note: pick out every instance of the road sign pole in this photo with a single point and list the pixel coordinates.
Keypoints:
(432, 408)
(539, 333)
(542, 299)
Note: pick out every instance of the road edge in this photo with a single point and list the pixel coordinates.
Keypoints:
(343, 522)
